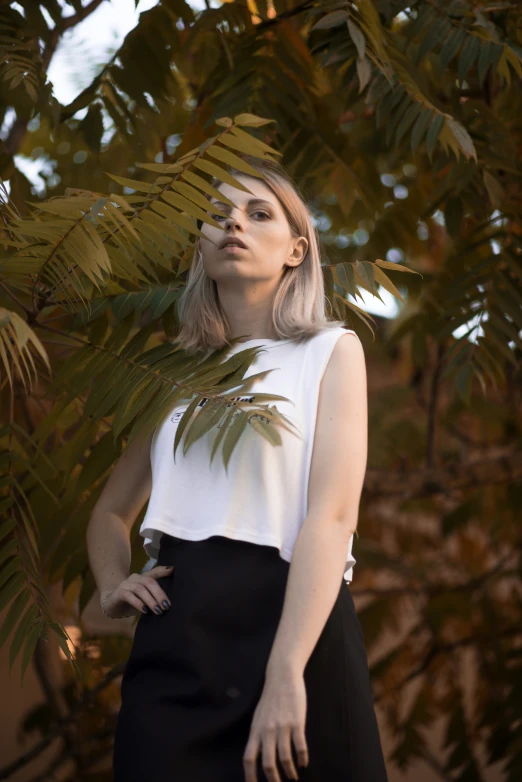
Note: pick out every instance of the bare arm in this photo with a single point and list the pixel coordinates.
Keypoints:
(315, 575)
(108, 532)
(336, 481)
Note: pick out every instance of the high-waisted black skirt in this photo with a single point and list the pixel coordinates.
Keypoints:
(195, 675)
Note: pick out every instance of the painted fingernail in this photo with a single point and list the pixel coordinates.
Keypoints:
(165, 605)
(158, 610)
(145, 609)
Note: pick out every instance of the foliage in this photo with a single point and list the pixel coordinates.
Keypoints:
(404, 122)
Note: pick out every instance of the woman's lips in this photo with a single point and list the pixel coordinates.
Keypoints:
(233, 248)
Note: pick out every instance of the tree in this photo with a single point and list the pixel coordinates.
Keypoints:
(402, 120)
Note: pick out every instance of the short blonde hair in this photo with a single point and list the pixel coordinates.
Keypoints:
(299, 305)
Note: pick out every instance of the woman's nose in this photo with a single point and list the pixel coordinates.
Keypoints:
(232, 222)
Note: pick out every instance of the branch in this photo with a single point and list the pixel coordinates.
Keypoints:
(14, 298)
(436, 766)
(61, 725)
(437, 649)
(64, 24)
(19, 126)
(436, 589)
(432, 407)
(502, 466)
(267, 23)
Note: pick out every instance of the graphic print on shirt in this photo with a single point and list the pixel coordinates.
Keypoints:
(176, 417)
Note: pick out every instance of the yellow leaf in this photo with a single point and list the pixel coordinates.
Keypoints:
(206, 187)
(386, 283)
(395, 266)
(141, 187)
(248, 139)
(223, 176)
(252, 120)
(233, 160)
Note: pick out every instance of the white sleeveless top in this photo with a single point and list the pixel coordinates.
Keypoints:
(263, 498)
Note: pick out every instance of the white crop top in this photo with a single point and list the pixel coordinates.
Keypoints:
(264, 496)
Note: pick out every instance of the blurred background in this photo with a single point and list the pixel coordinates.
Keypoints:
(401, 123)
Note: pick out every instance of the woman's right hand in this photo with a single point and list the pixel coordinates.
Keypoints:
(137, 591)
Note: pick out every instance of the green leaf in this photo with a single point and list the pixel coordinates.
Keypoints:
(420, 128)
(358, 38)
(13, 566)
(222, 430)
(30, 644)
(365, 271)
(463, 137)
(451, 46)
(22, 632)
(183, 423)
(485, 60)
(453, 214)
(265, 428)
(233, 434)
(364, 72)
(410, 116)
(13, 614)
(209, 415)
(437, 31)
(333, 19)
(434, 130)
(8, 549)
(468, 55)
(344, 276)
(7, 525)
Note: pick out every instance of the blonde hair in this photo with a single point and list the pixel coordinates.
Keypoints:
(299, 305)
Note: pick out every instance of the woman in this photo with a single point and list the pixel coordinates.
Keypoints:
(248, 661)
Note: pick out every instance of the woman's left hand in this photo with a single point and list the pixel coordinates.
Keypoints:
(279, 720)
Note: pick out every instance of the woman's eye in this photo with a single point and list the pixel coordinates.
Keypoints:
(259, 211)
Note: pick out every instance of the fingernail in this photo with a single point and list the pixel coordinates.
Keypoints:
(145, 609)
(158, 610)
(165, 605)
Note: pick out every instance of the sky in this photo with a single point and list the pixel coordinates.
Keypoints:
(89, 43)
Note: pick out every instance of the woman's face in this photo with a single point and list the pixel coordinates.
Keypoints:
(259, 221)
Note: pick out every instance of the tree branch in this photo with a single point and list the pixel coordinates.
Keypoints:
(436, 589)
(60, 726)
(437, 649)
(19, 126)
(501, 466)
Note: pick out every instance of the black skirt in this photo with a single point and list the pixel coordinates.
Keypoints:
(195, 675)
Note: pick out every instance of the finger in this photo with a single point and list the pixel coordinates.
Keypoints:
(301, 747)
(150, 599)
(133, 600)
(269, 756)
(160, 571)
(284, 750)
(250, 759)
(155, 589)
(158, 594)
